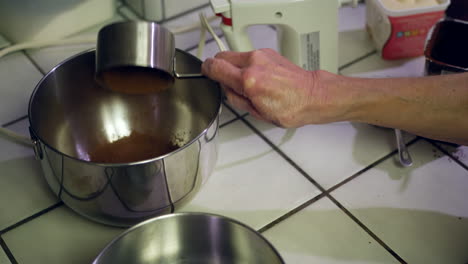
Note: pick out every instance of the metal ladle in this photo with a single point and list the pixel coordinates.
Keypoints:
(137, 57)
(403, 153)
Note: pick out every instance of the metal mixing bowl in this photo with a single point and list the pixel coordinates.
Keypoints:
(70, 115)
(190, 238)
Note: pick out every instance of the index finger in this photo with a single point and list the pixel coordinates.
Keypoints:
(223, 72)
(240, 59)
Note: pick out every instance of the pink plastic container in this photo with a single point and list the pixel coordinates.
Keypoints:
(402, 33)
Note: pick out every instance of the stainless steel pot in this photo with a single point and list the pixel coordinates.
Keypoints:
(190, 238)
(70, 115)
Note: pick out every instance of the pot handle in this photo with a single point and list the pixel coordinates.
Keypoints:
(36, 144)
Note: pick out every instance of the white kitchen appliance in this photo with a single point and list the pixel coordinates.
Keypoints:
(307, 29)
(160, 10)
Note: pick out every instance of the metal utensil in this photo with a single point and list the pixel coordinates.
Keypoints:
(190, 238)
(403, 153)
(135, 47)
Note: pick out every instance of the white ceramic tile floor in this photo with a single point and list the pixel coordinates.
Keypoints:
(323, 233)
(244, 172)
(226, 115)
(18, 77)
(458, 152)
(127, 12)
(353, 44)
(420, 212)
(350, 147)
(24, 190)
(4, 258)
(49, 57)
(352, 18)
(11, 149)
(22, 180)
(60, 236)
(354, 40)
(375, 67)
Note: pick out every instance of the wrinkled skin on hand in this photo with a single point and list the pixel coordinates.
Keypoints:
(272, 88)
(275, 90)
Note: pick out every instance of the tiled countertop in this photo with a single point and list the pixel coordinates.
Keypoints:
(330, 193)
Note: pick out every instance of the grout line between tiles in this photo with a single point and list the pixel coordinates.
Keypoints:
(365, 228)
(228, 122)
(125, 17)
(143, 8)
(374, 164)
(34, 63)
(290, 213)
(163, 7)
(357, 60)
(324, 192)
(275, 148)
(237, 117)
(32, 217)
(14, 121)
(353, 218)
(283, 155)
(129, 8)
(7, 251)
(447, 153)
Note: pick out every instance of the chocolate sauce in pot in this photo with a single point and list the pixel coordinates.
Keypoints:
(135, 80)
(135, 147)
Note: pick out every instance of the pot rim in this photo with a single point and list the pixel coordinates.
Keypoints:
(34, 133)
(187, 214)
(430, 42)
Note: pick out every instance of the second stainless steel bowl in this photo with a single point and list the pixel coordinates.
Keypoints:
(190, 238)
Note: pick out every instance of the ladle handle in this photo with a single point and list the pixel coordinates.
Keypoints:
(185, 75)
(403, 153)
(188, 75)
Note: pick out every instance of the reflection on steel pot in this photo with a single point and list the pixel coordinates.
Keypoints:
(190, 238)
(447, 48)
(121, 159)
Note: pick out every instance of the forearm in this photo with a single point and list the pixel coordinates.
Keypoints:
(434, 107)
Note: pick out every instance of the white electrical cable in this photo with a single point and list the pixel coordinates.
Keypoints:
(201, 42)
(191, 27)
(34, 45)
(207, 25)
(16, 137)
(46, 43)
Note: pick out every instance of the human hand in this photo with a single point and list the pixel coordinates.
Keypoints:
(272, 88)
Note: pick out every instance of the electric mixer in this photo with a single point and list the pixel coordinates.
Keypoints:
(307, 29)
